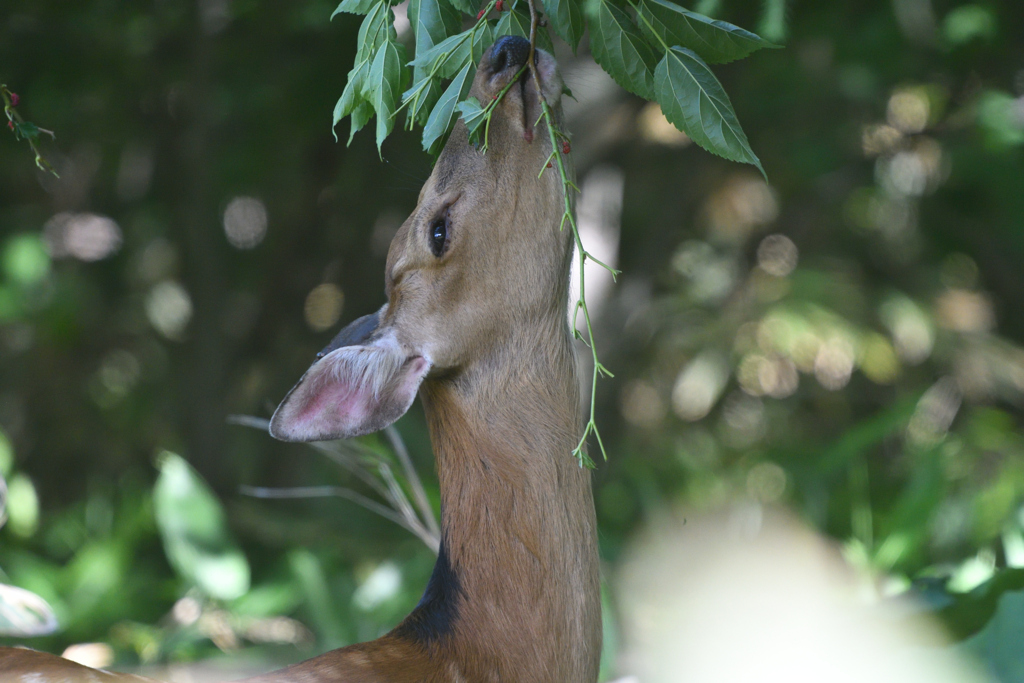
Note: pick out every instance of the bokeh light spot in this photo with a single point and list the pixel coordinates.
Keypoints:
(878, 359)
(834, 363)
(84, 236)
(323, 306)
(964, 311)
(699, 386)
(245, 222)
(777, 255)
(654, 127)
(169, 309)
(641, 405)
(382, 584)
(908, 110)
(25, 259)
(22, 506)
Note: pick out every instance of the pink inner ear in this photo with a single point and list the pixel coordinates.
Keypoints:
(351, 391)
(317, 406)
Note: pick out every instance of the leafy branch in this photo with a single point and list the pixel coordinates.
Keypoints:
(25, 130)
(652, 48)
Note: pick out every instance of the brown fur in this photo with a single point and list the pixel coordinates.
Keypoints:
(518, 590)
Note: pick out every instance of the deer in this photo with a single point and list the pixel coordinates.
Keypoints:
(476, 324)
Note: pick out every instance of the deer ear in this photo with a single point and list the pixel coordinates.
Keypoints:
(358, 385)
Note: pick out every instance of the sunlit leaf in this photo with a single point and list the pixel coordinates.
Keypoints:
(443, 117)
(24, 614)
(194, 531)
(621, 50)
(715, 41)
(566, 17)
(695, 102)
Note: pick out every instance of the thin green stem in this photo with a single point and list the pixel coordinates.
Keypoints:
(568, 217)
(24, 129)
(489, 109)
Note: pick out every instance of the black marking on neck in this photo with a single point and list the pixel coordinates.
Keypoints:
(435, 615)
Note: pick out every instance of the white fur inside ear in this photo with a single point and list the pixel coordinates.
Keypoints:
(351, 391)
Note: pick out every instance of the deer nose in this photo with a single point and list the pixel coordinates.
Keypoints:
(511, 52)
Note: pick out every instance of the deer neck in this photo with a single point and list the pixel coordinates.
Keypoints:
(519, 547)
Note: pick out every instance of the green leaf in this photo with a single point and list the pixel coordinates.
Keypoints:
(25, 130)
(467, 6)
(443, 117)
(513, 23)
(474, 116)
(693, 99)
(619, 48)
(194, 531)
(516, 22)
(566, 17)
(383, 86)
(432, 21)
(356, 6)
(448, 57)
(715, 41)
(351, 96)
(377, 28)
(360, 117)
(483, 39)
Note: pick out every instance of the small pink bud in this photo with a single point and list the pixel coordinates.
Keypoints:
(480, 15)
(565, 147)
(15, 99)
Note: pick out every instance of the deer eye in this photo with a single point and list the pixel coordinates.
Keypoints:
(438, 236)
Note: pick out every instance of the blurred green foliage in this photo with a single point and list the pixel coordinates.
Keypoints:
(846, 342)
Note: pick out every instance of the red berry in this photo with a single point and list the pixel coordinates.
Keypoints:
(480, 15)
(10, 124)
(15, 99)
(549, 164)
(499, 6)
(565, 147)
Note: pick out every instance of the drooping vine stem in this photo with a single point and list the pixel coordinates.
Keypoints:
(557, 157)
(25, 130)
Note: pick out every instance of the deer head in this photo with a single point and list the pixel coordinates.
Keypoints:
(479, 260)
